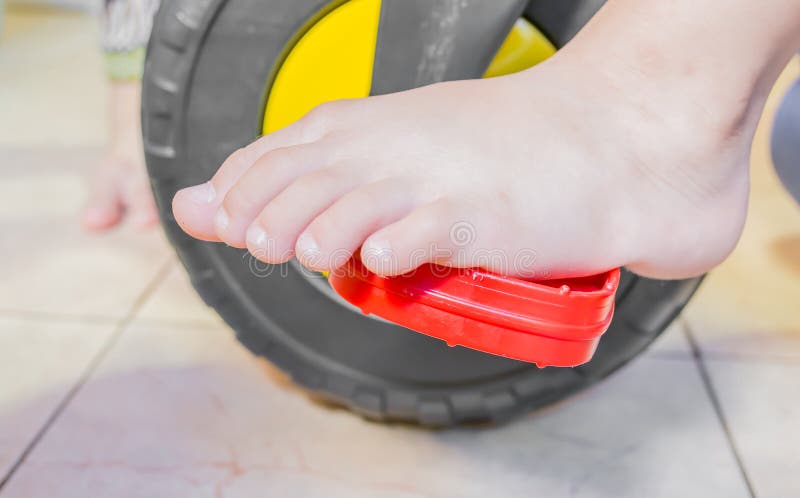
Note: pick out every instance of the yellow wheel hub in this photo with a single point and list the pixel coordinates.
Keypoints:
(334, 59)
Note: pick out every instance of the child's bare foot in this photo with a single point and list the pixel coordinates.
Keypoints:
(120, 186)
(539, 173)
(629, 147)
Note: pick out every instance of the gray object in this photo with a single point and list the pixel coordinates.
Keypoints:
(208, 65)
(427, 41)
(786, 141)
(560, 20)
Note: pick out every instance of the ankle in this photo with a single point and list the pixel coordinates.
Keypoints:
(688, 61)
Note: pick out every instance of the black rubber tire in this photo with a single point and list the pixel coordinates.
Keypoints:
(206, 69)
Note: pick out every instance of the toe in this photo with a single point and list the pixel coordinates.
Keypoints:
(195, 207)
(442, 232)
(101, 213)
(104, 208)
(274, 233)
(268, 178)
(200, 212)
(332, 238)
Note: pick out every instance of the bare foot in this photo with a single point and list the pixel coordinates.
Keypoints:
(542, 173)
(120, 187)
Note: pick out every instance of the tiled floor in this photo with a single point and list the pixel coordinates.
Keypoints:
(115, 381)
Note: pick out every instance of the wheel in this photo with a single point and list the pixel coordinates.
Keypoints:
(220, 72)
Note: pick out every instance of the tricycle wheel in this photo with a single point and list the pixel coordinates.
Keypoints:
(210, 88)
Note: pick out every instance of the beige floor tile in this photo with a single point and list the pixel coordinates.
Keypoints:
(52, 89)
(50, 264)
(176, 301)
(185, 412)
(40, 361)
(760, 402)
(748, 306)
(672, 342)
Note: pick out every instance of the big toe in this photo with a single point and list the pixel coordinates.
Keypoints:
(194, 209)
(102, 212)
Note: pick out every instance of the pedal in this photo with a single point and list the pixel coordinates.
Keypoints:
(549, 323)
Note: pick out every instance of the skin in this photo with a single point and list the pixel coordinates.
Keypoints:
(119, 187)
(611, 153)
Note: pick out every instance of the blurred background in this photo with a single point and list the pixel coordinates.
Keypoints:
(115, 379)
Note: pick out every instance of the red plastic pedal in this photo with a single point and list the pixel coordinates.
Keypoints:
(550, 323)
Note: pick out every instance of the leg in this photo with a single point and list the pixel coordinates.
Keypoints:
(120, 186)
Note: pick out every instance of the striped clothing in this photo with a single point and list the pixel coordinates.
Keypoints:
(126, 26)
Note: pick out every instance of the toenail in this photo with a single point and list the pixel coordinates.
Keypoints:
(307, 250)
(377, 254)
(378, 247)
(222, 220)
(203, 193)
(257, 237)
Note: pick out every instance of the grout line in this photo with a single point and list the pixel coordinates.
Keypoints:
(181, 324)
(767, 359)
(717, 405)
(94, 363)
(739, 356)
(668, 355)
(45, 316)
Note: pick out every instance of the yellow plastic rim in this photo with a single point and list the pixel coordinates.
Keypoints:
(334, 60)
